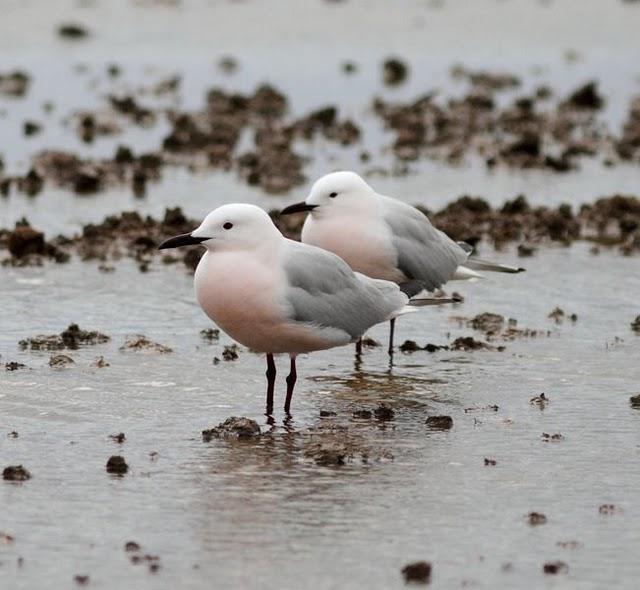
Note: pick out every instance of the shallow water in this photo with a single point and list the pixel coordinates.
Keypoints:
(258, 514)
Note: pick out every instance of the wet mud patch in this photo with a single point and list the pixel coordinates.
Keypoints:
(14, 366)
(72, 338)
(333, 440)
(233, 428)
(140, 343)
(332, 444)
(613, 221)
(116, 465)
(14, 84)
(60, 361)
(16, 473)
(417, 572)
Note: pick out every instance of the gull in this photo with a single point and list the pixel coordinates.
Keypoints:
(384, 238)
(275, 295)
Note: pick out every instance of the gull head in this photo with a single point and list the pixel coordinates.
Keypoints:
(338, 193)
(237, 226)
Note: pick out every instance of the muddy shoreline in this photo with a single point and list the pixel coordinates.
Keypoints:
(497, 448)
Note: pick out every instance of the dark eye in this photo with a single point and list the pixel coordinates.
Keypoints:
(333, 195)
(227, 225)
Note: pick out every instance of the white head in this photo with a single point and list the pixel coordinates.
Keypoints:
(237, 226)
(338, 193)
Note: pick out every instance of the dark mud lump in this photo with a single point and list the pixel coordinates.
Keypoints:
(234, 427)
(417, 572)
(117, 465)
(15, 473)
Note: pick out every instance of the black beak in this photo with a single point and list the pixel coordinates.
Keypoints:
(181, 240)
(297, 208)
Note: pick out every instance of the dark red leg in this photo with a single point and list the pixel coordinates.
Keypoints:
(271, 381)
(392, 325)
(291, 382)
(359, 346)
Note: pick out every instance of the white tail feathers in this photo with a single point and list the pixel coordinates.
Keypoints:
(463, 273)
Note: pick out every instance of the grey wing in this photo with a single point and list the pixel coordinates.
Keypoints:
(424, 252)
(323, 290)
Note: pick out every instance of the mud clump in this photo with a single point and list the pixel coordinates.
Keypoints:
(14, 366)
(27, 246)
(634, 400)
(384, 412)
(467, 343)
(608, 509)
(31, 128)
(394, 71)
(527, 133)
(490, 323)
(101, 363)
(117, 465)
(14, 84)
(73, 31)
(613, 221)
(230, 352)
(15, 473)
(490, 462)
(60, 361)
(409, 346)
(555, 567)
(118, 438)
(492, 81)
(140, 343)
(635, 324)
(138, 558)
(210, 334)
(558, 315)
(526, 251)
(546, 437)
(233, 428)
(81, 580)
(540, 400)
(586, 97)
(628, 146)
(362, 414)
(333, 445)
(71, 338)
(439, 422)
(153, 561)
(330, 453)
(536, 518)
(129, 107)
(489, 408)
(133, 235)
(417, 572)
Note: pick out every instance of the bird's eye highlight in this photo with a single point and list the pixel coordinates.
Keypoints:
(333, 195)
(227, 225)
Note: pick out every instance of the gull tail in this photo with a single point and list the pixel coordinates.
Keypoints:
(417, 295)
(474, 264)
(464, 273)
(424, 301)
